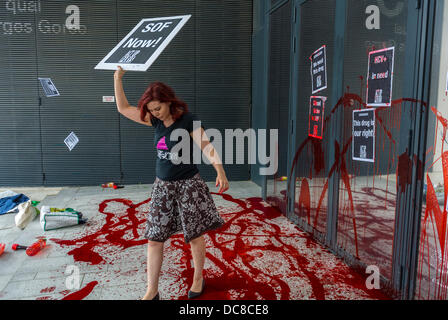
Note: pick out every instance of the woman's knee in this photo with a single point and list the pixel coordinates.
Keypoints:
(199, 240)
(155, 244)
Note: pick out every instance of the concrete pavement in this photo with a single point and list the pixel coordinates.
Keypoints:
(259, 255)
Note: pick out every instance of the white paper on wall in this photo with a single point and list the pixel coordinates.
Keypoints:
(71, 141)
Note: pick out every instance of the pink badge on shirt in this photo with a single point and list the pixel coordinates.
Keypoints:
(161, 145)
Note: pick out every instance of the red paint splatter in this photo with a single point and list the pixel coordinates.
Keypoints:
(48, 290)
(389, 120)
(250, 232)
(305, 200)
(81, 294)
(119, 231)
(249, 281)
(404, 172)
(435, 285)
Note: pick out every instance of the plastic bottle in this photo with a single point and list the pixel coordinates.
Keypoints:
(36, 247)
(109, 185)
(16, 247)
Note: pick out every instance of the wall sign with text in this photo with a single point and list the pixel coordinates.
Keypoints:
(316, 121)
(319, 69)
(363, 131)
(380, 77)
(143, 45)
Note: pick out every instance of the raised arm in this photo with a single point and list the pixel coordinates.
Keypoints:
(123, 106)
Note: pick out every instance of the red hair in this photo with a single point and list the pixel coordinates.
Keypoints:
(163, 93)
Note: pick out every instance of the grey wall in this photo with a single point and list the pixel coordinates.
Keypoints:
(208, 64)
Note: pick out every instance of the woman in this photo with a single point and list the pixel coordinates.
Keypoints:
(180, 199)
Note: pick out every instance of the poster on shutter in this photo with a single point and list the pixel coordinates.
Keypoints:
(363, 131)
(316, 118)
(138, 50)
(380, 77)
(71, 141)
(49, 88)
(319, 69)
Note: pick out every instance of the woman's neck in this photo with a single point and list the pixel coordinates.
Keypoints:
(168, 121)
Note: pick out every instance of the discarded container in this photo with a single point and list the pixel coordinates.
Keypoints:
(54, 218)
(36, 247)
(109, 185)
(2, 248)
(16, 247)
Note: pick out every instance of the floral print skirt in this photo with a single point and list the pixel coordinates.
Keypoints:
(182, 205)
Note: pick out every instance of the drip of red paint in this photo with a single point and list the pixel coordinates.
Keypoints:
(319, 161)
(81, 294)
(404, 172)
(305, 199)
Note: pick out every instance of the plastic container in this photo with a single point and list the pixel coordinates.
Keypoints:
(109, 185)
(36, 247)
(16, 247)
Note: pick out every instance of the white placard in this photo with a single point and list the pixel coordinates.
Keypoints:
(143, 45)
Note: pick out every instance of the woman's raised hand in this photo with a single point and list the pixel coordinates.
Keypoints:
(119, 73)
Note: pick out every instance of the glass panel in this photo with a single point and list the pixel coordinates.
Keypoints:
(367, 195)
(432, 278)
(311, 161)
(278, 100)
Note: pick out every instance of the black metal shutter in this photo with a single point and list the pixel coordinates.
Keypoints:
(208, 65)
(223, 73)
(69, 58)
(279, 81)
(20, 143)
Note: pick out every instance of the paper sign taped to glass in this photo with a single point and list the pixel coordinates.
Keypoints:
(316, 116)
(363, 135)
(142, 46)
(380, 77)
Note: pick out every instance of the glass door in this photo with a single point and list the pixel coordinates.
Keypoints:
(432, 274)
(312, 113)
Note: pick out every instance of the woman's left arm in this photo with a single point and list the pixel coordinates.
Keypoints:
(201, 139)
